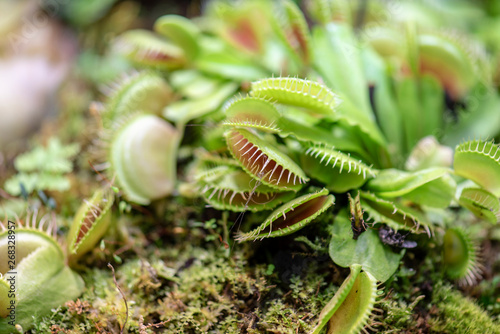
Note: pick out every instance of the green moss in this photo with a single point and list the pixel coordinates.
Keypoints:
(398, 315)
(451, 312)
(189, 289)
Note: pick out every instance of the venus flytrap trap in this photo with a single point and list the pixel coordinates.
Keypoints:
(181, 31)
(291, 216)
(230, 188)
(314, 97)
(238, 24)
(340, 172)
(479, 161)
(482, 203)
(44, 275)
(264, 161)
(90, 223)
(429, 153)
(138, 91)
(395, 214)
(350, 309)
(461, 257)
(142, 144)
(446, 58)
(144, 48)
(251, 112)
(291, 27)
(43, 278)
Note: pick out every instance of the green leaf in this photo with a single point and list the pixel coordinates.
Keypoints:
(437, 193)
(229, 66)
(84, 12)
(28, 181)
(337, 59)
(432, 105)
(385, 106)
(409, 106)
(53, 158)
(394, 182)
(308, 133)
(193, 84)
(368, 251)
(479, 120)
(186, 110)
(181, 31)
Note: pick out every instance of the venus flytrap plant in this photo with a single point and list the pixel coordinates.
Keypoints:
(291, 217)
(232, 189)
(146, 49)
(350, 309)
(339, 171)
(138, 91)
(482, 203)
(90, 223)
(265, 162)
(461, 257)
(429, 153)
(146, 145)
(292, 135)
(310, 95)
(181, 31)
(43, 279)
(291, 27)
(479, 161)
(446, 58)
(241, 24)
(251, 112)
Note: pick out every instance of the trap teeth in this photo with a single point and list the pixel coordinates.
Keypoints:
(310, 95)
(264, 162)
(252, 112)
